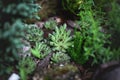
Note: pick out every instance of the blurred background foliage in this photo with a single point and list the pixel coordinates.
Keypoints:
(12, 13)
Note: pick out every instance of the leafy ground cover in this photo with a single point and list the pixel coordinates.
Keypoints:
(78, 41)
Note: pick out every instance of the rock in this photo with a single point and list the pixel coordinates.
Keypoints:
(14, 76)
(40, 24)
(108, 71)
(61, 65)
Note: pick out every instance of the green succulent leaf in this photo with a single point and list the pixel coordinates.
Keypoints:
(35, 53)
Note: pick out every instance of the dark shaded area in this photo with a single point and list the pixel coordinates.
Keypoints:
(108, 71)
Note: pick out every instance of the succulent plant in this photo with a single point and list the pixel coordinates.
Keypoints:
(33, 34)
(60, 39)
(60, 57)
(27, 64)
(50, 24)
(26, 67)
(40, 50)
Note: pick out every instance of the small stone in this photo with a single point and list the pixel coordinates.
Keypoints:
(40, 24)
(58, 20)
(61, 65)
(14, 76)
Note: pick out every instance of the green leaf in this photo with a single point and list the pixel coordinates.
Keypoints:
(35, 52)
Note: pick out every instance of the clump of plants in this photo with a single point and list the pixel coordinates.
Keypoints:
(89, 41)
(60, 40)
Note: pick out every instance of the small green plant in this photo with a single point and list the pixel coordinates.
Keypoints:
(26, 66)
(51, 24)
(60, 39)
(33, 33)
(40, 50)
(60, 57)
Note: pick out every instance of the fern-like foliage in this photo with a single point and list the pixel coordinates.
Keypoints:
(40, 50)
(89, 41)
(60, 39)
